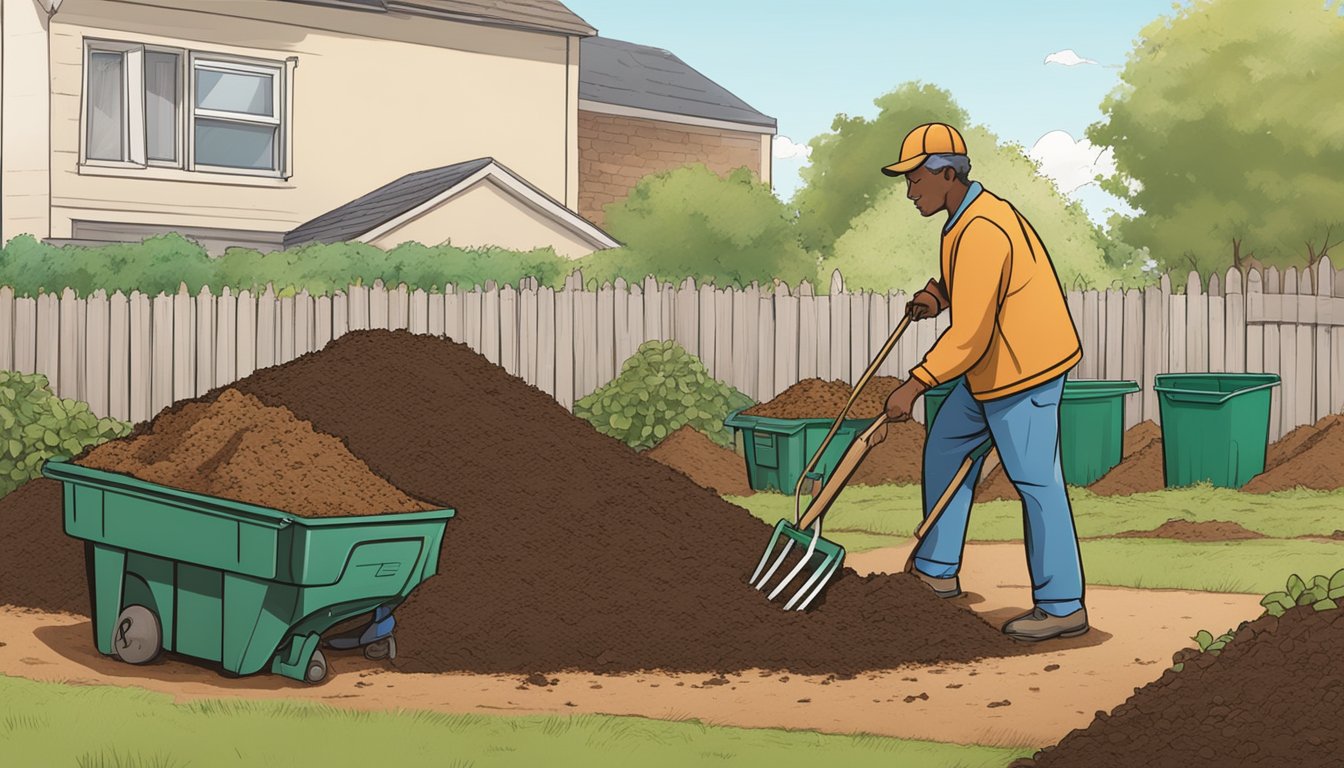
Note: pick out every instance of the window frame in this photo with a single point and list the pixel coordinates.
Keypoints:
(134, 130)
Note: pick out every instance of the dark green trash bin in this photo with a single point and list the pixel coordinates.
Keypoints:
(778, 450)
(1215, 426)
(1091, 424)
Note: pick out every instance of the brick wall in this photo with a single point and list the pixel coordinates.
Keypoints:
(615, 152)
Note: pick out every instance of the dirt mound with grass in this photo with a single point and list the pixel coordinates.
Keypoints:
(571, 551)
(40, 567)
(1195, 530)
(710, 465)
(1305, 459)
(1272, 697)
(820, 399)
(237, 448)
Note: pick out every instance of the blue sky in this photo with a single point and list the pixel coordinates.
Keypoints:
(804, 62)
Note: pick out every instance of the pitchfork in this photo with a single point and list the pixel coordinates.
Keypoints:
(825, 556)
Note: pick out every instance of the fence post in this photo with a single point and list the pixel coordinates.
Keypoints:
(119, 357)
(161, 372)
(1217, 325)
(838, 350)
(808, 326)
(1273, 314)
(205, 340)
(1131, 344)
(1324, 317)
(786, 338)
(96, 353)
(1304, 397)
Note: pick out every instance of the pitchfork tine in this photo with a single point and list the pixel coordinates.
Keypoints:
(797, 569)
(784, 553)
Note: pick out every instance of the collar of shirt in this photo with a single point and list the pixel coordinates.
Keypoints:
(971, 193)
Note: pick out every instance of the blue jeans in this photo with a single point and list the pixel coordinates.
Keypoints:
(1025, 428)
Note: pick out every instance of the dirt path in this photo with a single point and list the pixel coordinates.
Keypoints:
(1135, 633)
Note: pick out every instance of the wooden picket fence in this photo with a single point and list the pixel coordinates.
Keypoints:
(130, 356)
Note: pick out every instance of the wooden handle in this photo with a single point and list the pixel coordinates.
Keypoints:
(945, 499)
(843, 471)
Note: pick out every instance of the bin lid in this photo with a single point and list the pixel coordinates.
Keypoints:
(740, 420)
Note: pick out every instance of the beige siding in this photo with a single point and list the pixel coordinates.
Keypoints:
(485, 214)
(23, 133)
(616, 151)
(374, 97)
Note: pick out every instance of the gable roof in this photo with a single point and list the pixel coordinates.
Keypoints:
(646, 78)
(540, 15)
(385, 208)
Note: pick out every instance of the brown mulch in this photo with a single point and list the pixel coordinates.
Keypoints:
(236, 448)
(1271, 698)
(710, 465)
(819, 399)
(1192, 530)
(1310, 460)
(40, 567)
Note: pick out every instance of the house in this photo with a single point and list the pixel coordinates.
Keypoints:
(272, 123)
(642, 110)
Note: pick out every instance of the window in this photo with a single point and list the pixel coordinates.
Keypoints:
(147, 106)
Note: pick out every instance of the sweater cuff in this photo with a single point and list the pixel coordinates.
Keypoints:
(925, 378)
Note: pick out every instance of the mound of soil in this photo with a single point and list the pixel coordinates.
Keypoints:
(994, 485)
(1141, 469)
(710, 465)
(237, 448)
(570, 550)
(40, 567)
(1304, 459)
(1190, 530)
(1271, 698)
(819, 399)
(898, 459)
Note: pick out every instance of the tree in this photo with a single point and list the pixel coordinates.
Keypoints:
(889, 245)
(843, 178)
(1228, 132)
(690, 222)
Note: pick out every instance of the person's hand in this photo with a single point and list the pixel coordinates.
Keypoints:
(901, 403)
(923, 305)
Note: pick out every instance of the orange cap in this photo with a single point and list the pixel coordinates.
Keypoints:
(927, 139)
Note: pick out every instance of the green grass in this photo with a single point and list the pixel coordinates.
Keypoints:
(895, 509)
(867, 518)
(107, 727)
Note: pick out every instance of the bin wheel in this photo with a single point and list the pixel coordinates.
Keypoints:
(317, 668)
(137, 638)
(381, 649)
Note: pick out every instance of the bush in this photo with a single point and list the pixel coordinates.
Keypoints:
(36, 425)
(690, 222)
(161, 264)
(661, 388)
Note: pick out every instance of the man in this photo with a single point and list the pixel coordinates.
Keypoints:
(1010, 343)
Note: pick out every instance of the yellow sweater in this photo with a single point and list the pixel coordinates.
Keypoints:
(1011, 328)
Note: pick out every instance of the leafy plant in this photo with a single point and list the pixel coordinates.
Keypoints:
(1321, 593)
(1209, 644)
(35, 425)
(661, 388)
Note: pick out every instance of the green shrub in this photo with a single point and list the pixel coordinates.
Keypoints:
(661, 388)
(36, 425)
(161, 264)
(690, 222)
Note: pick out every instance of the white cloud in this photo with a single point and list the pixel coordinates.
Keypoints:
(1067, 58)
(1071, 164)
(786, 149)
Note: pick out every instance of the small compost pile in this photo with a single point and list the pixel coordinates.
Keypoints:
(1272, 697)
(1307, 457)
(708, 464)
(1141, 467)
(236, 448)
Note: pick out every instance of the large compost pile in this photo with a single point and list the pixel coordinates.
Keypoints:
(1273, 697)
(569, 550)
(236, 448)
(708, 464)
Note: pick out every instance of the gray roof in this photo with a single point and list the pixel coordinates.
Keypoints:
(542, 15)
(629, 75)
(383, 204)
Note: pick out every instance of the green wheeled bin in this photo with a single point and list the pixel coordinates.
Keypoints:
(249, 587)
(1091, 424)
(1215, 426)
(778, 450)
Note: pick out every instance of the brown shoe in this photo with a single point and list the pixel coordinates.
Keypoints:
(1037, 625)
(945, 587)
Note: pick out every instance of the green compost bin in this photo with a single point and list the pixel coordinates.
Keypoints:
(1091, 424)
(245, 586)
(1215, 426)
(778, 450)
